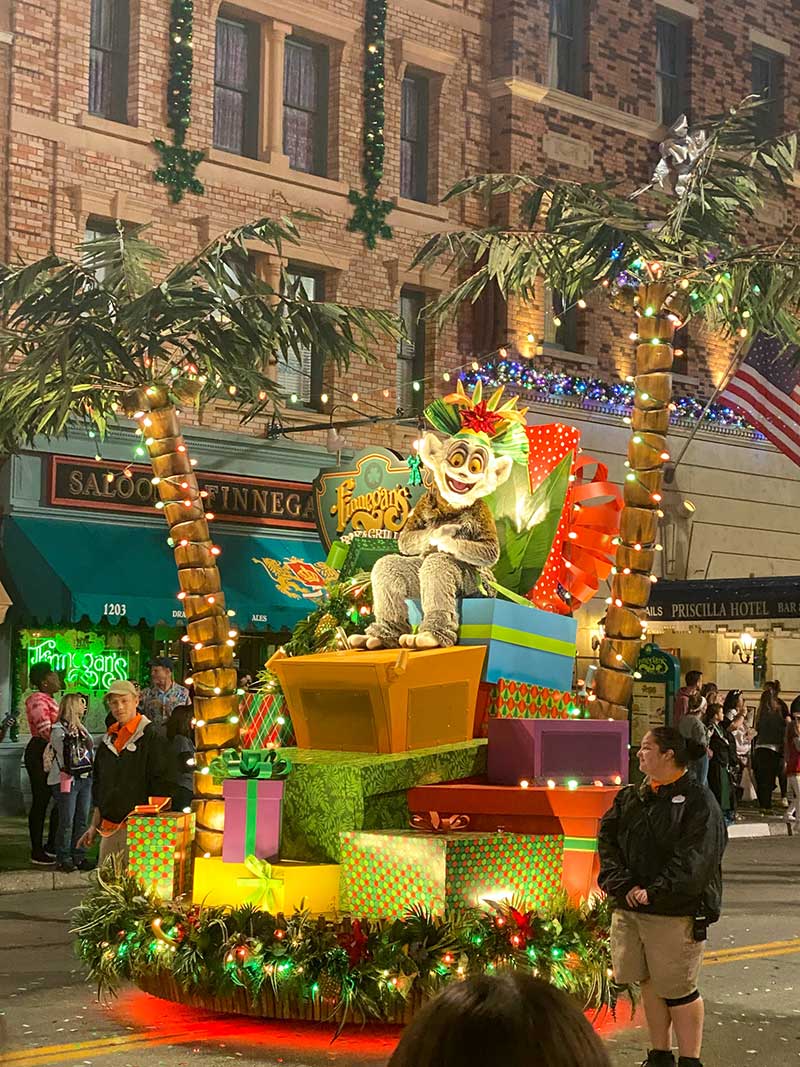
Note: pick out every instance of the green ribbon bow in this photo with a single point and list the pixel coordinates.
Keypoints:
(249, 763)
(267, 891)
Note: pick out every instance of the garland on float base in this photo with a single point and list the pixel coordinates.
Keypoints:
(370, 212)
(179, 163)
(355, 969)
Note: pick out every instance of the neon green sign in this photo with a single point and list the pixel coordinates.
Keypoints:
(92, 667)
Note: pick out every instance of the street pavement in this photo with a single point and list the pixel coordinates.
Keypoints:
(49, 1016)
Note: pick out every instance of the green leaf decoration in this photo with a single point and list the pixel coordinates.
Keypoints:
(527, 524)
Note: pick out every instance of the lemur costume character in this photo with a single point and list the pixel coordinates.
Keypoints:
(449, 543)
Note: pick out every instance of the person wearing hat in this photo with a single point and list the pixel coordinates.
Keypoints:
(163, 695)
(129, 768)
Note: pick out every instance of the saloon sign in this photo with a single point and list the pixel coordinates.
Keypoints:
(83, 483)
(370, 497)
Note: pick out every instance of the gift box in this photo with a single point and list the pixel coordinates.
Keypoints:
(521, 700)
(160, 851)
(265, 721)
(253, 808)
(543, 750)
(268, 886)
(386, 701)
(482, 706)
(329, 792)
(523, 643)
(575, 813)
(384, 875)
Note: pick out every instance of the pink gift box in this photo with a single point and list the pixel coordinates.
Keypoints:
(538, 750)
(253, 812)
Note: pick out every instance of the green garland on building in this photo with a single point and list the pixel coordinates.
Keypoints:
(356, 969)
(178, 163)
(370, 212)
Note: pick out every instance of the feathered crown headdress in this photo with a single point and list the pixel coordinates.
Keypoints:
(503, 425)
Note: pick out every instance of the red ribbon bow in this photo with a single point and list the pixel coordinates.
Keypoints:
(433, 822)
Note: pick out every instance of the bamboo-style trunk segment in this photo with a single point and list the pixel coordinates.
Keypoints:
(208, 627)
(647, 453)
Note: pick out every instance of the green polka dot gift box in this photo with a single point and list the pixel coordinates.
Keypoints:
(384, 874)
(160, 851)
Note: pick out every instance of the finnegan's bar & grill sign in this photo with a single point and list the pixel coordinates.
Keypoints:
(79, 483)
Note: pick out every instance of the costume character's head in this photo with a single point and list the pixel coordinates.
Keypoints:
(484, 441)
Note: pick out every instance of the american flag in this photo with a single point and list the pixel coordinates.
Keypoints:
(766, 390)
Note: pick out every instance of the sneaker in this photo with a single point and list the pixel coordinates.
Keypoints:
(659, 1058)
(41, 859)
(87, 865)
(49, 851)
(67, 867)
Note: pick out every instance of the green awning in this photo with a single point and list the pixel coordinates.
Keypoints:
(61, 570)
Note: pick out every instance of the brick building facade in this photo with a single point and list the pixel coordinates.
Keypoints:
(573, 87)
(579, 88)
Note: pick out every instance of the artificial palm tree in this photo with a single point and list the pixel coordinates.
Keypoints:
(84, 343)
(675, 250)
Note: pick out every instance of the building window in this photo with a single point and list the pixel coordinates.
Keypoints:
(414, 138)
(767, 78)
(672, 68)
(236, 87)
(680, 348)
(301, 376)
(560, 323)
(411, 354)
(98, 229)
(566, 46)
(109, 36)
(305, 106)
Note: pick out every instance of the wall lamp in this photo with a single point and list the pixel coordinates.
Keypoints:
(743, 648)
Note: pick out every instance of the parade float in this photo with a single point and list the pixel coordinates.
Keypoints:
(421, 793)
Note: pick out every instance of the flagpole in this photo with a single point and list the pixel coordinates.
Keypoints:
(669, 473)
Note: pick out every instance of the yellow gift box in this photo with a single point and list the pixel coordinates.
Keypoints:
(271, 887)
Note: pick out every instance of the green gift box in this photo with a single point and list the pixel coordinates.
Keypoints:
(384, 875)
(329, 792)
(160, 851)
(521, 700)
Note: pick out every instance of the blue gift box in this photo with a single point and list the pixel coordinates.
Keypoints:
(524, 644)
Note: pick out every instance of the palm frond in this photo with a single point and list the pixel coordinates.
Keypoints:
(78, 334)
(576, 237)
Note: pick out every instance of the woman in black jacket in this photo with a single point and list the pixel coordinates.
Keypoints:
(768, 747)
(723, 762)
(661, 847)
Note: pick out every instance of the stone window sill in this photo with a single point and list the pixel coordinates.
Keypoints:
(554, 352)
(578, 106)
(436, 212)
(115, 129)
(279, 170)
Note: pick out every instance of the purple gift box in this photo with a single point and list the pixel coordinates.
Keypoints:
(541, 750)
(253, 811)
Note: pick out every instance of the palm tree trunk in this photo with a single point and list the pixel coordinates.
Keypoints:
(208, 627)
(647, 453)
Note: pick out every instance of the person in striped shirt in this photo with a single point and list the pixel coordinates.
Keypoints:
(41, 710)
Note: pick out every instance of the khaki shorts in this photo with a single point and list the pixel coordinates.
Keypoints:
(115, 844)
(656, 948)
